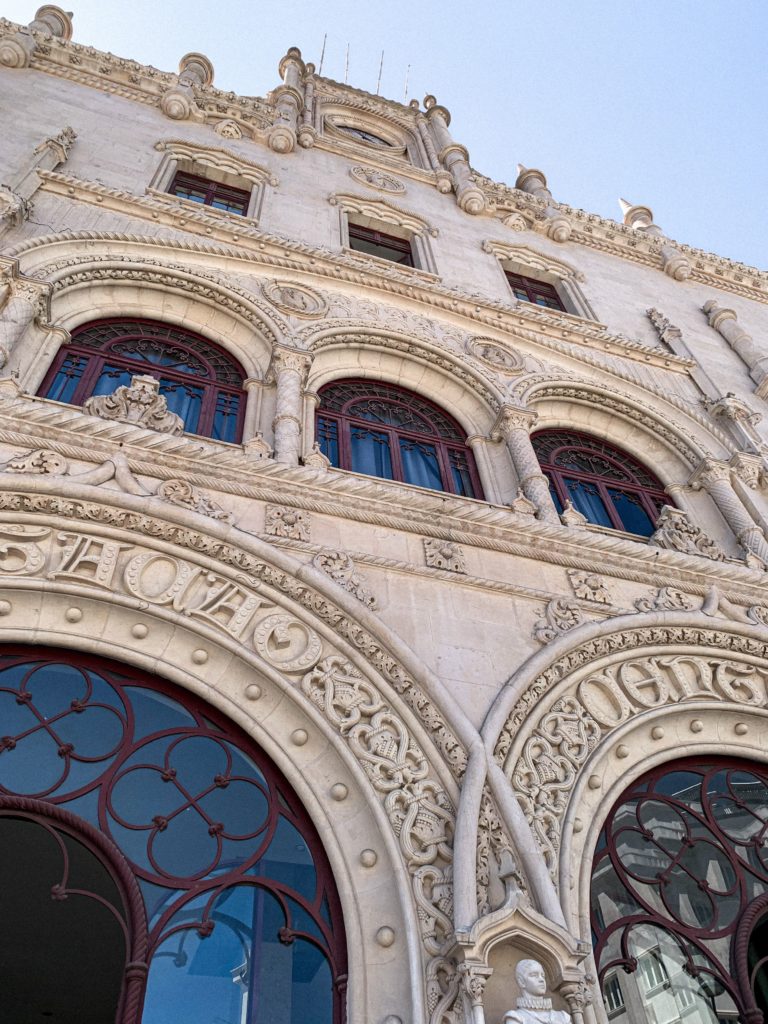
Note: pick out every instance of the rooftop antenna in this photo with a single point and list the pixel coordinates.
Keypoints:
(346, 67)
(322, 55)
(381, 66)
(407, 74)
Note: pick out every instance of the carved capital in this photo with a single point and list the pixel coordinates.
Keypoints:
(717, 315)
(709, 473)
(473, 978)
(510, 418)
(290, 359)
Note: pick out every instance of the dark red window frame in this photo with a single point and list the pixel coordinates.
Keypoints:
(141, 750)
(540, 293)
(96, 344)
(636, 822)
(564, 454)
(398, 250)
(443, 432)
(211, 193)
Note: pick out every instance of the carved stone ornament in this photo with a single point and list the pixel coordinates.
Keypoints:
(295, 299)
(666, 599)
(14, 209)
(179, 492)
(138, 402)
(40, 462)
(675, 531)
(374, 178)
(665, 329)
(286, 522)
(533, 1005)
(571, 516)
(444, 554)
(228, 129)
(340, 567)
(316, 459)
(560, 616)
(257, 448)
(495, 355)
(588, 586)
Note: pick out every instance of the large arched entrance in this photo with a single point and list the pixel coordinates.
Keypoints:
(243, 918)
(680, 893)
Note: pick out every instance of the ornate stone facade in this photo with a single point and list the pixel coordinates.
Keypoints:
(458, 683)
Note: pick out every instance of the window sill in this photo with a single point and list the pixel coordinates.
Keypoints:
(234, 219)
(379, 261)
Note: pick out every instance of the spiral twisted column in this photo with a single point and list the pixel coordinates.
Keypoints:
(715, 478)
(515, 426)
(289, 369)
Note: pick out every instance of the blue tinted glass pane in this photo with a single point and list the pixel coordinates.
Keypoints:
(420, 465)
(328, 436)
(462, 481)
(370, 452)
(633, 516)
(225, 417)
(185, 401)
(586, 499)
(64, 384)
(111, 377)
(555, 496)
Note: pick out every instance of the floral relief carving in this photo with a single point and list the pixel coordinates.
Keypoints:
(41, 462)
(138, 402)
(181, 493)
(444, 554)
(291, 523)
(666, 599)
(374, 178)
(559, 616)
(675, 530)
(589, 587)
(340, 567)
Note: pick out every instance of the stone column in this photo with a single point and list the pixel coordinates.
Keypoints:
(473, 978)
(289, 369)
(534, 183)
(16, 50)
(640, 218)
(311, 402)
(681, 499)
(178, 102)
(715, 478)
(479, 446)
(253, 390)
(307, 134)
(515, 425)
(288, 100)
(726, 323)
(442, 177)
(455, 158)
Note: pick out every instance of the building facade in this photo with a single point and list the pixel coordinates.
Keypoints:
(383, 571)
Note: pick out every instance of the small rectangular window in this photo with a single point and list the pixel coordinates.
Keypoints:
(210, 193)
(377, 243)
(540, 293)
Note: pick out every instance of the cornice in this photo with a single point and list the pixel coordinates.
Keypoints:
(27, 423)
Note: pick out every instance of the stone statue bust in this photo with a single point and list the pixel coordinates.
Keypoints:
(533, 1005)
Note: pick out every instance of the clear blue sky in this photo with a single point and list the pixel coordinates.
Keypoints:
(663, 102)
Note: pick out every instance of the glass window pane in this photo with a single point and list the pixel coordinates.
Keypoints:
(370, 452)
(64, 384)
(633, 516)
(185, 401)
(586, 499)
(328, 436)
(420, 464)
(462, 480)
(111, 378)
(225, 417)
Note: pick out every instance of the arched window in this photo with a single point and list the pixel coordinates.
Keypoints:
(238, 915)
(680, 895)
(200, 382)
(383, 430)
(605, 484)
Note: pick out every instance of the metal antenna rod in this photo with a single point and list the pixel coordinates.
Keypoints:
(381, 66)
(322, 55)
(407, 74)
(346, 67)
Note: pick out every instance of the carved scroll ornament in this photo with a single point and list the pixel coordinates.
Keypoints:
(138, 402)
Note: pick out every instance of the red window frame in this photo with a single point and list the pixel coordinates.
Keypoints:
(446, 436)
(214, 191)
(534, 291)
(631, 476)
(400, 248)
(93, 343)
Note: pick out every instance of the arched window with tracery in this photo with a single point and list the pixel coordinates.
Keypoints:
(165, 837)
(386, 431)
(604, 483)
(679, 901)
(200, 382)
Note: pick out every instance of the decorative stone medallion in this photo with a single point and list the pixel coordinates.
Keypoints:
(493, 354)
(374, 178)
(228, 129)
(295, 299)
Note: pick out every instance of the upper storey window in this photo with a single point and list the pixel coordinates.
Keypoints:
(385, 431)
(200, 382)
(210, 193)
(605, 484)
(362, 135)
(377, 243)
(540, 293)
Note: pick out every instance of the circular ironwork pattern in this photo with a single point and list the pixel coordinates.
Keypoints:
(682, 858)
(197, 812)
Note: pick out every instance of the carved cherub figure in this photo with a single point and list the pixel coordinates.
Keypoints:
(533, 1004)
